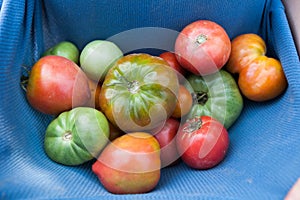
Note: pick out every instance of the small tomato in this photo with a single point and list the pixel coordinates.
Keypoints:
(202, 142)
(166, 138)
(184, 102)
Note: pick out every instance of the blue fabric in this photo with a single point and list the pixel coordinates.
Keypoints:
(263, 160)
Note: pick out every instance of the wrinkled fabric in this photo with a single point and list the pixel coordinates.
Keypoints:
(263, 160)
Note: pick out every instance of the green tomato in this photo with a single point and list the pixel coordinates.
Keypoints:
(139, 93)
(216, 95)
(97, 57)
(76, 136)
(65, 49)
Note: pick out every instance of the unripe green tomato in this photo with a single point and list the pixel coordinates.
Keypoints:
(76, 136)
(216, 95)
(65, 49)
(97, 57)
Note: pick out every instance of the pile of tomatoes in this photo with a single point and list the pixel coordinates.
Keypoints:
(138, 113)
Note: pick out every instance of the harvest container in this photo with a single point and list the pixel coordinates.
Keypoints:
(263, 160)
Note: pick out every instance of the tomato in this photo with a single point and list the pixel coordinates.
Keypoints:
(66, 49)
(202, 142)
(95, 89)
(172, 60)
(216, 95)
(166, 138)
(244, 49)
(139, 92)
(114, 132)
(202, 47)
(56, 84)
(130, 164)
(76, 136)
(184, 102)
(97, 57)
(261, 78)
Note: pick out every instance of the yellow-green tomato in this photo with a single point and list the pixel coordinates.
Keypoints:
(97, 57)
(76, 136)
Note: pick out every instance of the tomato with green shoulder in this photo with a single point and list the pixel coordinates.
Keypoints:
(216, 95)
(76, 136)
(139, 92)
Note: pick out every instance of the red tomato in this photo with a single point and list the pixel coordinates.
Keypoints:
(172, 61)
(166, 139)
(184, 102)
(130, 164)
(202, 142)
(260, 78)
(202, 47)
(57, 84)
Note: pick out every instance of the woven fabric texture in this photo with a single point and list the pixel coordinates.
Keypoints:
(263, 160)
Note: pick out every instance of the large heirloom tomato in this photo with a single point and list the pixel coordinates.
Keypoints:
(76, 136)
(130, 164)
(260, 78)
(56, 84)
(139, 92)
(202, 47)
(216, 95)
(202, 142)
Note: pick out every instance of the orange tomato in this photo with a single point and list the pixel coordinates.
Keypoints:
(244, 49)
(260, 78)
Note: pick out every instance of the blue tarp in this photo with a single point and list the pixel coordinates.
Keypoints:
(263, 160)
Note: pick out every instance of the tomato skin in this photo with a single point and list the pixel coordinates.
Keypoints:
(202, 47)
(57, 84)
(97, 57)
(263, 79)
(76, 136)
(66, 49)
(139, 92)
(260, 78)
(216, 95)
(130, 164)
(202, 142)
(184, 102)
(166, 138)
(172, 60)
(244, 49)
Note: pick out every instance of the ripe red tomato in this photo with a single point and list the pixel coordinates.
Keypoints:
(166, 139)
(172, 61)
(57, 84)
(202, 47)
(260, 78)
(130, 164)
(202, 142)
(184, 102)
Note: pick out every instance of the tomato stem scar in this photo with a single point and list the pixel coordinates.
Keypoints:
(67, 136)
(193, 124)
(202, 38)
